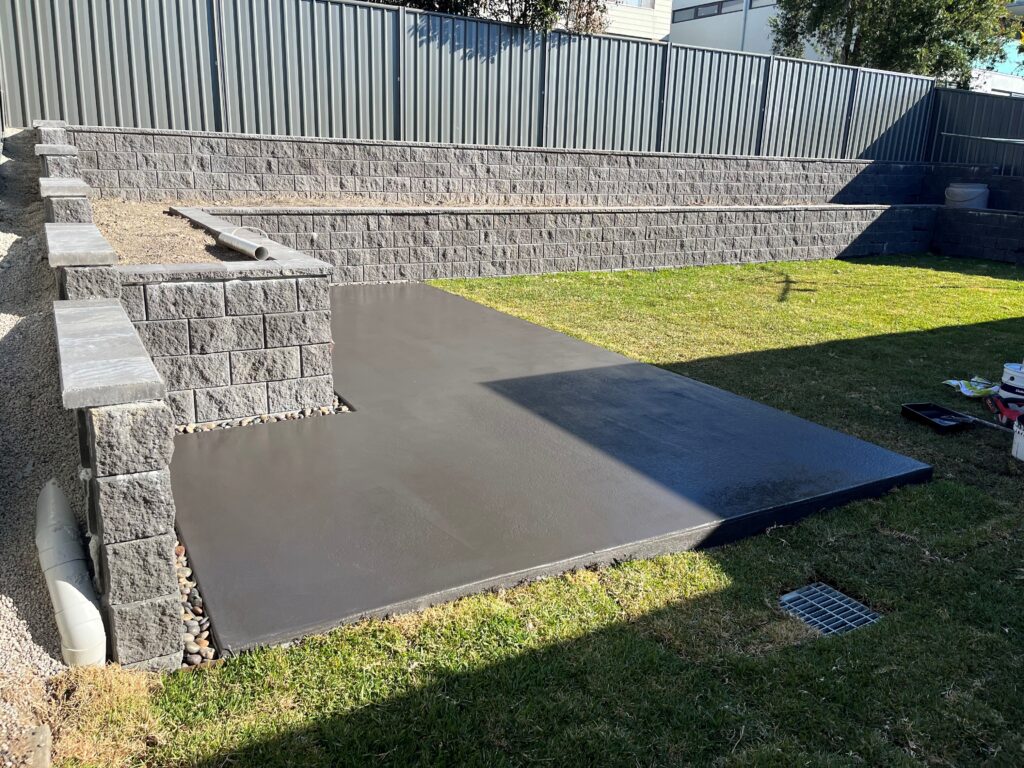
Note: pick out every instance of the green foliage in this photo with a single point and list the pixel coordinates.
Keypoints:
(583, 16)
(942, 38)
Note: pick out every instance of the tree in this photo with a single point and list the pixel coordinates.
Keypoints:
(584, 16)
(941, 38)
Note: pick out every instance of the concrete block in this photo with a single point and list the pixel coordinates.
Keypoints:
(164, 337)
(255, 297)
(170, 301)
(231, 402)
(293, 329)
(90, 283)
(265, 365)
(296, 394)
(145, 629)
(133, 299)
(169, 663)
(60, 166)
(76, 245)
(224, 334)
(130, 438)
(183, 406)
(52, 134)
(140, 569)
(68, 210)
(194, 371)
(102, 359)
(314, 293)
(316, 359)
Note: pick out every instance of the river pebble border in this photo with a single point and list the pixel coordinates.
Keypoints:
(199, 645)
(268, 418)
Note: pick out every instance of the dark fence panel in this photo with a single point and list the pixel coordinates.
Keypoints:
(983, 128)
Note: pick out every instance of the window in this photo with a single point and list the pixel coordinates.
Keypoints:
(635, 3)
(707, 10)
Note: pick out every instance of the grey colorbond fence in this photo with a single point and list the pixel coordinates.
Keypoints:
(978, 128)
(352, 70)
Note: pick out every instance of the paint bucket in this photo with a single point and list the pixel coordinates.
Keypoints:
(966, 195)
(1011, 388)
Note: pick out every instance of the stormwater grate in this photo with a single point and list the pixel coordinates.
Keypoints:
(827, 610)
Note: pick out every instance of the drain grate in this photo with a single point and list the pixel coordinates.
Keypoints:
(827, 610)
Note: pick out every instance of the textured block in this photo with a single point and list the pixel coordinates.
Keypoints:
(146, 629)
(129, 507)
(133, 299)
(60, 166)
(129, 438)
(231, 402)
(91, 283)
(164, 337)
(140, 569)
(296, 394)
(265, 365)
(314, 293)
(316, 359)
(183, 406)
(224, 334)
(170, 301)
(254, 297)
(169, 663)
(298, 328)
(68, 210)
(194, 371)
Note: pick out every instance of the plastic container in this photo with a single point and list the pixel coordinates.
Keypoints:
(966, 195)
(1011, 388)
(1018, 440)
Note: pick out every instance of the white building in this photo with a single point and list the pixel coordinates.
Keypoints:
(645, 19)
(734, 25)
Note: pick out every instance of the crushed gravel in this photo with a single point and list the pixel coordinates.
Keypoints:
(37, 442)
(148, 233)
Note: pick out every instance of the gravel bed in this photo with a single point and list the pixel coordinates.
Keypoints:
(37, 442)
(266, 418)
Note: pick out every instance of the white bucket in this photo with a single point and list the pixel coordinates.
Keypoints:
(1011, 388)
(1018, 440)
(966, 195)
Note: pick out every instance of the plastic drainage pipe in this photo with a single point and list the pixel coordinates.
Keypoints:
(242, 245)
(83, 640)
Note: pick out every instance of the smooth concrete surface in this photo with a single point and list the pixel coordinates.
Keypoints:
(77, 245)
(50, 188)
(484, 450)
(102, 359)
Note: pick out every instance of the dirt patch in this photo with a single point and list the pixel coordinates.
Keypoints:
(148, 233)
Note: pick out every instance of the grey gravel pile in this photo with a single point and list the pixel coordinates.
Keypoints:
(37, 442)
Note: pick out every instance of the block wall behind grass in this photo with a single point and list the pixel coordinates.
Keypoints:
(147, 164)
(423, 244)
(998, 236)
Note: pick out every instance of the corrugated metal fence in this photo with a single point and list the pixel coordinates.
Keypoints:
(978, 128)
(345, 69)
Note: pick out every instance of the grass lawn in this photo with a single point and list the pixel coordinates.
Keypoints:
(684, 658)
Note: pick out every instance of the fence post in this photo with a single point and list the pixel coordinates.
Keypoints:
(543, 90)
(217, 64)
(666, 70)
(400, 85)
(763, 113)
(848, 121)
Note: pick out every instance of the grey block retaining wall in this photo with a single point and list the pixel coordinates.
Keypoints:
(995, 235)
(422, 244)
(151, 164)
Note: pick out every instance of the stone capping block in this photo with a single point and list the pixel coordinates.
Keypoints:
(77, 245)
(102, 358)
(130, 438)
(270, 138)
(146, 630)
(59, 150)
(49, 123)
(51, 188)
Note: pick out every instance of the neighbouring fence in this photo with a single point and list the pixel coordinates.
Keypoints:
(978, 128)
(352, 70)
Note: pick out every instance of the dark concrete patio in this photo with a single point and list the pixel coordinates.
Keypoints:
(484, 450)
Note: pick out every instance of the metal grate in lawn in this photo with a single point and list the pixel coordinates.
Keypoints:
(826, 609)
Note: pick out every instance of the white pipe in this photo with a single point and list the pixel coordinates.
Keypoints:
(238, 243)
(83, 640)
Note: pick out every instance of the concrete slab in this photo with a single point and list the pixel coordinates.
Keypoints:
(77, 245)
(50, 187)
(102, 358)
(59, 150)
(484, 450)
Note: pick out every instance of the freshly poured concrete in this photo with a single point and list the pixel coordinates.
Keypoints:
(484, 450)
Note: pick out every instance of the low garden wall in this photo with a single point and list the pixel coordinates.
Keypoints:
(371, 245)
(995, 235)
(159, 164)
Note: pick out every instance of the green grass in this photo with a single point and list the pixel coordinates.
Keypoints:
(686, 658)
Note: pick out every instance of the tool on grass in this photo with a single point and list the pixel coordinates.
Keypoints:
(945, 420)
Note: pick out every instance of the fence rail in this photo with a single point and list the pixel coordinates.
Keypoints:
(335, 68)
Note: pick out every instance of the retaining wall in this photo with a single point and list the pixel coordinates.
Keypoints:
(420, 244)
(151, 164)
(995, 235)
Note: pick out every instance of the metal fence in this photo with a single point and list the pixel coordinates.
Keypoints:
(980, 128)
(335, 68)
